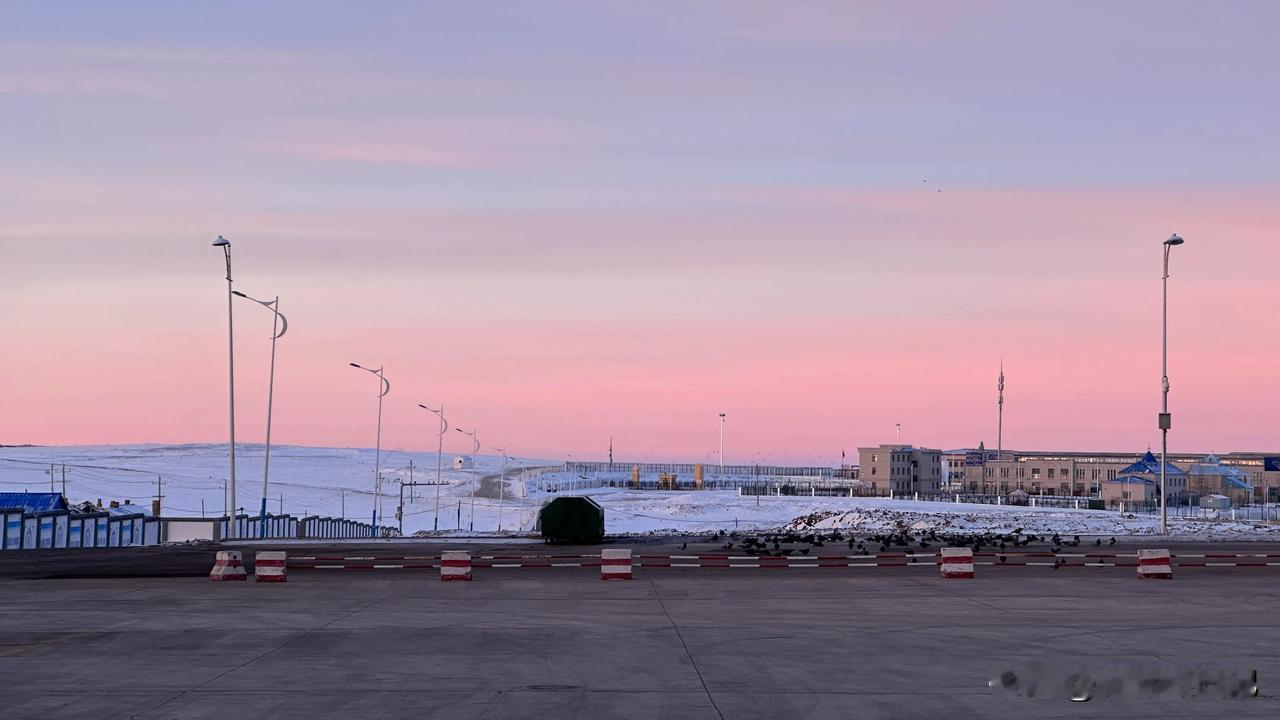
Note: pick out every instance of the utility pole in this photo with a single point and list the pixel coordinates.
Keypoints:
(1000, 414)
(502, 485)
(610, 453)
(159, 493)
(231, 382)
(411, 485)
(722, 445)
(281, 503)
(64, 480)
(1164, 420)
(52, 478)
(343, 493)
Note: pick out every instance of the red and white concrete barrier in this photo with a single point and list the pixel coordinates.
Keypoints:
(615, 564)
(227, 565)
(1153, 563)
(956, 562)
(270, 566)
(455, 565)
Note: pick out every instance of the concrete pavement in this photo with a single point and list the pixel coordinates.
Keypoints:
(561, 643)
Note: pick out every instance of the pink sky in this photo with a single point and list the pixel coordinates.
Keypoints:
(566, 239)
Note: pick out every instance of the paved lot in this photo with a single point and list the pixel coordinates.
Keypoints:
(672, 643)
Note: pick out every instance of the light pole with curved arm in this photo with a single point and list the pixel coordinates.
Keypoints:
(384, 386)
(1165, 420)
(475, 448)
(225, 244)
(279, 325)
(444, 428)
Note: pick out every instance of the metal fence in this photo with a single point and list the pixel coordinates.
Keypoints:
(60, 529)
(708, 469)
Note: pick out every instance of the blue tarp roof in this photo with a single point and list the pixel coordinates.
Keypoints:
(33, 502)
(1149, 464)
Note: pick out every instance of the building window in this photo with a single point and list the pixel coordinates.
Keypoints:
(1035, 473)
(1050, 473)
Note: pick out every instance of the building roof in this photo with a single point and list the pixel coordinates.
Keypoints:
(32, 502)
(1149, 464)
(1231, 477)
(1132, 480)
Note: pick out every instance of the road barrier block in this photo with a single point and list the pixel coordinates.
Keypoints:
(1154, 564)
(455, 565)
(615, 564)
(228, 566)
(270, 566)
(956, 562)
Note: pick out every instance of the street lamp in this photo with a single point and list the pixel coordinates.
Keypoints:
(279, 325)
(384, 386)
(1165, 420)
(475, 448)
(444, 428)
(225, 244)
(721, 445)
(502, 484)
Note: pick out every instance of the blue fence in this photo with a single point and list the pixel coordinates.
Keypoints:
(55, 529)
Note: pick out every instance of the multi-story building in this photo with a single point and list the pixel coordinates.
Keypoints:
(900, 469)
(1084, 474)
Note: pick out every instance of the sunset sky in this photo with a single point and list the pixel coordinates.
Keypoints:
(571, 221)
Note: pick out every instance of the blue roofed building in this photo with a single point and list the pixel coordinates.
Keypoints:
(1131, 488)
(1211, 477)
(32, 502)
(1148, 467)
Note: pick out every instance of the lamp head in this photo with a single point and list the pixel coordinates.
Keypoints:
(221, 242)
(355, 365)
(237, 292)
(1174, 240)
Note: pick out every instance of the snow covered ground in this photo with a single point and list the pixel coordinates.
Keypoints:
(705, 511)
(331, 481)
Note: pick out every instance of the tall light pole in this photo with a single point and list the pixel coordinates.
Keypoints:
(1165, 419)
(474, 449)
(279, 325)
(225, 244)
(384, 387)
(444, 428)
(1000, 412)
(722, 445)
(502, 484)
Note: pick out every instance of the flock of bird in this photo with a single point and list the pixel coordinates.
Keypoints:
(900, 540)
